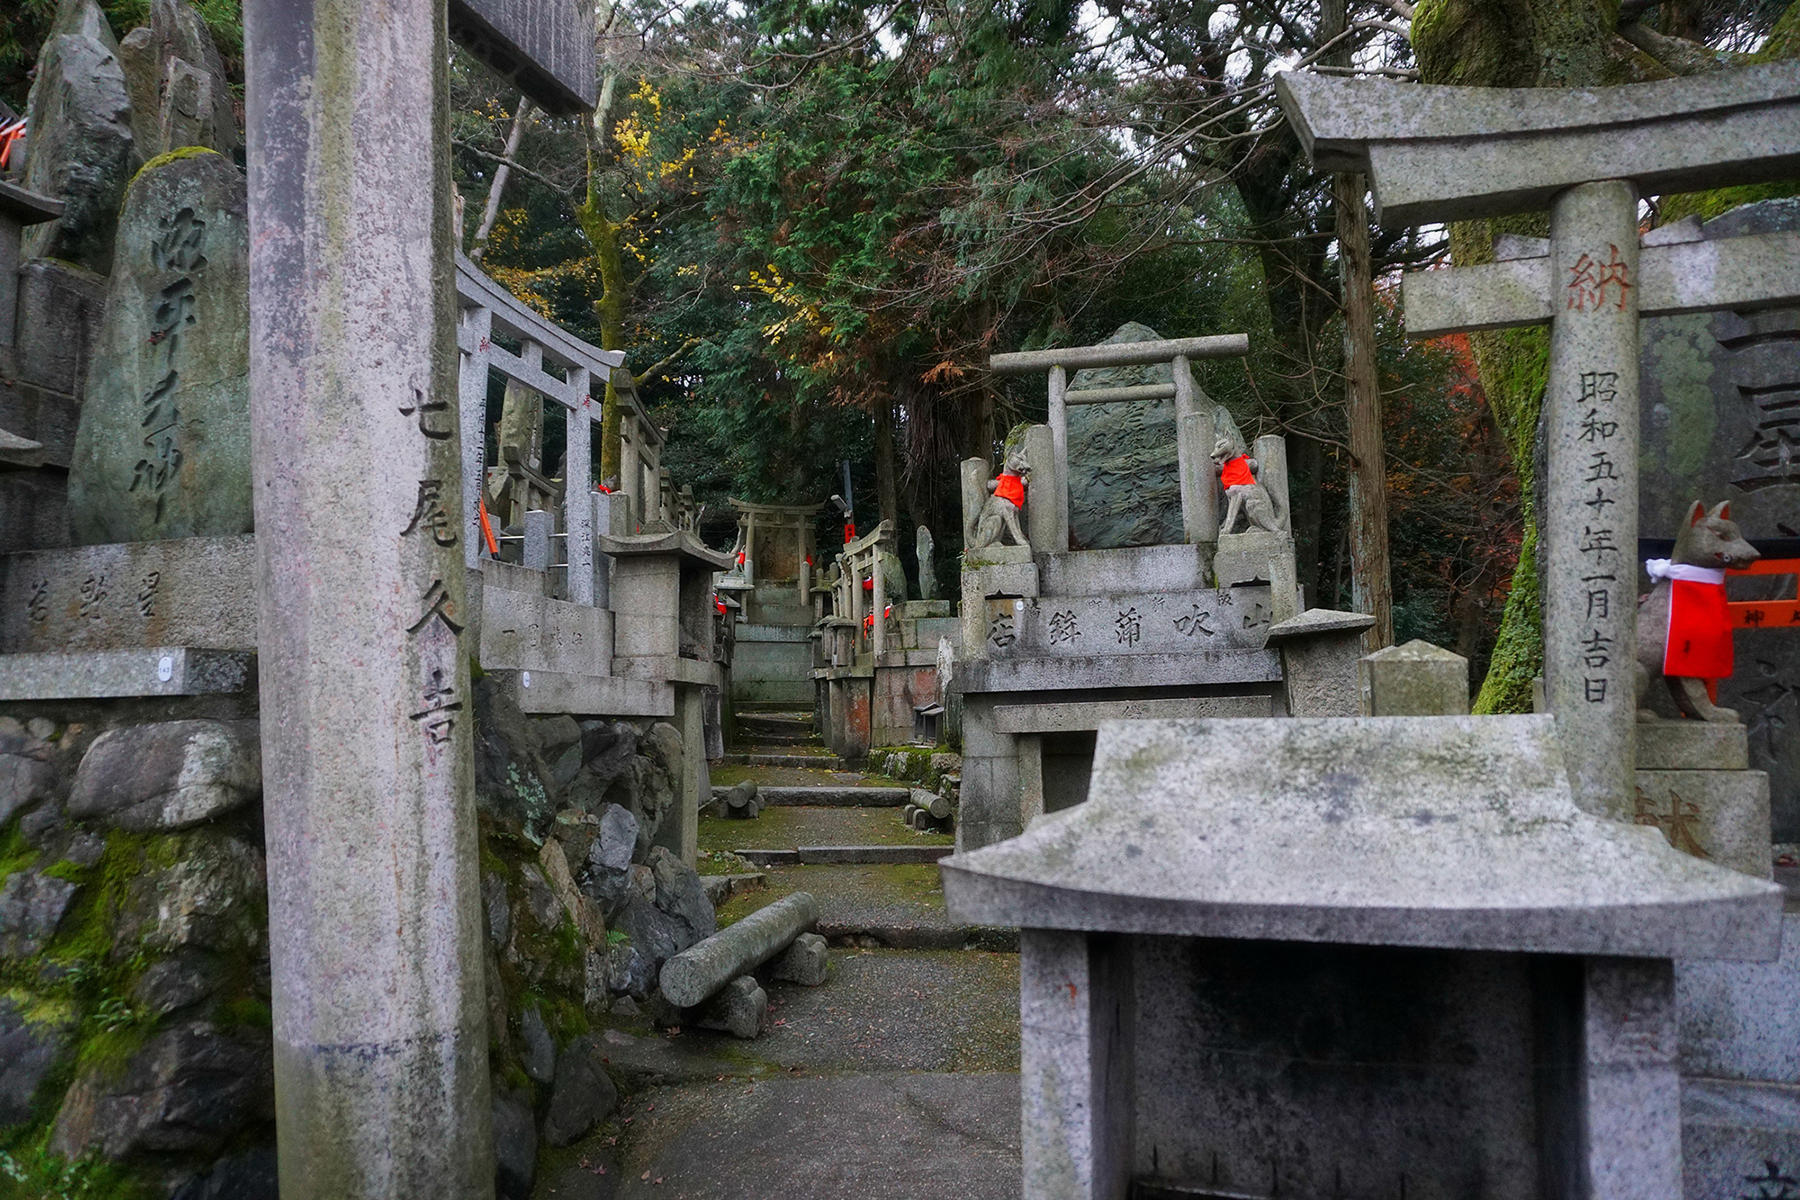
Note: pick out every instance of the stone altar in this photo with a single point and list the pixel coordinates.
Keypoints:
(1362, 956)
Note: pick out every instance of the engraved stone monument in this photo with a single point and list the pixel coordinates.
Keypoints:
(163, 448)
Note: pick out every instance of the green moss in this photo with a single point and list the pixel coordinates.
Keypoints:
(29, 1171)
(15, 852)
(163, 160)
(41, 1010)
(247, 1012)
(1519, 652)
(106, 1051)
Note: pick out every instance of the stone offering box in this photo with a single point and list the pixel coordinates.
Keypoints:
(1357, 957)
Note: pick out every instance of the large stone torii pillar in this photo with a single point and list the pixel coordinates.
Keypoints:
(1437, 153)
(380, 1025)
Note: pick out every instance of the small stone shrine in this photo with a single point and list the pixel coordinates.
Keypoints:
(875, 670)
(1383, 956)
(772, 577)
(1055, 640)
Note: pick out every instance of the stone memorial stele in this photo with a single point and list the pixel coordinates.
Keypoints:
(1124, 485)
(926, 552)
(79, 143)
(163, 448)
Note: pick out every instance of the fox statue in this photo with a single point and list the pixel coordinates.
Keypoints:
(1000, 512)
(1683, 627)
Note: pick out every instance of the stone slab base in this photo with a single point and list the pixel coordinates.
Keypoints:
(129, 595)
(587, 695)
(106, 674)
(1739, 1139)
(1692, 746)
(1721, 816)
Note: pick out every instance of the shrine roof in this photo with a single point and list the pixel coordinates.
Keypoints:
(1457, 832)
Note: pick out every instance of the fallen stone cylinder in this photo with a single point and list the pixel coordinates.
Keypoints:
(705, 967)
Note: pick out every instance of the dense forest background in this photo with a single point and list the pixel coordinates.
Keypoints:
(809, 222)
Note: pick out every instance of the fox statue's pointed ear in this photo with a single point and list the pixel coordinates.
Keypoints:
(1723, 511)
(1696, 510)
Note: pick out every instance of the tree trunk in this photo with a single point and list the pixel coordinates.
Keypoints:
(1371, 584)
(886, 492)
(498, 187)
(603, 242)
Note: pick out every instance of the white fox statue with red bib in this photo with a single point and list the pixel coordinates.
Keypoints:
(1684, 627)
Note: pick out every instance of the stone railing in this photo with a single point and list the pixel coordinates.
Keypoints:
(573, 374)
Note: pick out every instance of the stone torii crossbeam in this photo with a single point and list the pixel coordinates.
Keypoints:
(1437, 153)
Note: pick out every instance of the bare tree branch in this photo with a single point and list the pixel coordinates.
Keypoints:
(496, 188)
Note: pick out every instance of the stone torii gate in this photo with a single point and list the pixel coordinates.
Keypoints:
(1193, 425)
(1436, 153)
(380, 1022)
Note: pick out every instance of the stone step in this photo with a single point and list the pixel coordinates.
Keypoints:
(846, 855)
(721, 888)
(826, 761)
(807, 738)
(830, 796)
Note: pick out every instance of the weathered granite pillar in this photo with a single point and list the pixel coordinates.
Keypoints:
(1076, 1082)
(380, 1025)
(1059, 445)
(1414, 680)
(1630, 1083)
(1590, 512)
(1042, 515)
(578, 514)
(1199, 477)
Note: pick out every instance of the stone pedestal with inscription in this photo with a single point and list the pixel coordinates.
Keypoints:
(1052, 647)
(1693, 784)
(1273, 957)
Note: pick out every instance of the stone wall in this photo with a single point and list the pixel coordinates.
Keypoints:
(135, 1044)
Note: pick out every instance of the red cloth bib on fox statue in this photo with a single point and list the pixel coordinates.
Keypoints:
(1699, 641)
(1011, 488)
(1236, 472)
